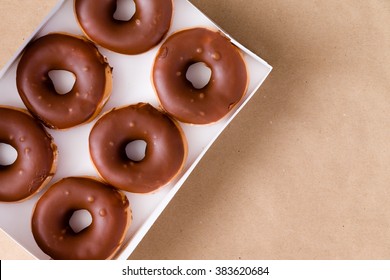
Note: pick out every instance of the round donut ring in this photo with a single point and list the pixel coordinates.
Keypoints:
(177, 95)
(63, 52)
(165, 153)
(36, 159)
(147, 27)
(111, 217)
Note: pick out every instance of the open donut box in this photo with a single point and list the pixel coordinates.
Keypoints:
(131, 84)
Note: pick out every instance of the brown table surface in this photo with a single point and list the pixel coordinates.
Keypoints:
(303, 172)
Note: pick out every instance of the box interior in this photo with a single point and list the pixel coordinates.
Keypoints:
(132, 84)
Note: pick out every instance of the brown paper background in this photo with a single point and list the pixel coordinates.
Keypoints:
(303, 172)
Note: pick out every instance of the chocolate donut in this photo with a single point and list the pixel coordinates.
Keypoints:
(165, 151)
(63, 52)
(36, 158)
(147, 27)
(177, 95)
(111, 217)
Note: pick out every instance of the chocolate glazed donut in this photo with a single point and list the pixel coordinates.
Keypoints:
(111, 217)
(147, 27)
(165, 152)
(36, 155)
(63, 52)
(177, 95)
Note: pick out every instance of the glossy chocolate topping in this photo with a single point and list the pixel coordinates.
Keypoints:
(111, 217)
(178, 96)
(63, 52)
(143, 31)
(165, 151)
(36, 155)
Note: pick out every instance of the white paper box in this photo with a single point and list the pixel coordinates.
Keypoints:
(131, 84)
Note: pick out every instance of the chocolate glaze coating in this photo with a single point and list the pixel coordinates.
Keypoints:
(227, 85)
(111, 217)
(37, 155)
(148, 26)
(165, 151)
(63, 52)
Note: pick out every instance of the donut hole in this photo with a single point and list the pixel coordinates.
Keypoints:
(8, 154)
(80, 220)
(136, 150)
(199, 75)
(125, 10)
(62, 80)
